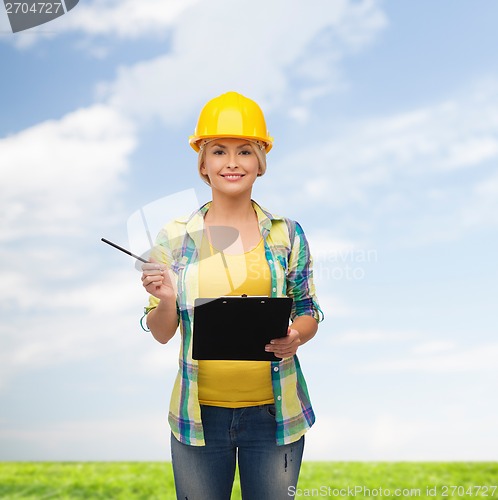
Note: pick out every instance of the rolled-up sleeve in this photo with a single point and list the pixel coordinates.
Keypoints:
(300, 286)
(161, 252)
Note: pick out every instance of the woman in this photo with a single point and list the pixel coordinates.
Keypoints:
(221, 411)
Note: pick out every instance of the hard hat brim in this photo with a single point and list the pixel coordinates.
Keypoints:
(194, 140)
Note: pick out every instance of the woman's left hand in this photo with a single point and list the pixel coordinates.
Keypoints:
(285, 347)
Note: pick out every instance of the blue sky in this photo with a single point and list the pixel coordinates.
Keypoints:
(386, 146)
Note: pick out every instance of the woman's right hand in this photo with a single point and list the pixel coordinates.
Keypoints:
(157, 280)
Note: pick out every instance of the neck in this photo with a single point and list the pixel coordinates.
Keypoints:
(230, 211)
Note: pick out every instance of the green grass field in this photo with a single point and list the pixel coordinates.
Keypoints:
(154, 480)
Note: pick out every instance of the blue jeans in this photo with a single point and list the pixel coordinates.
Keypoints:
(266, 470)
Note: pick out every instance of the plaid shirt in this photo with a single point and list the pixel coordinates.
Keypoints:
(178, 245)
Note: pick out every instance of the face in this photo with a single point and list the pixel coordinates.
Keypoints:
(231, 165)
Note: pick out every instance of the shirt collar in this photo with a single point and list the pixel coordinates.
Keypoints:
(195, 222)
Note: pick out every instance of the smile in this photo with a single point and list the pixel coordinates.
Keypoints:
(232, 177)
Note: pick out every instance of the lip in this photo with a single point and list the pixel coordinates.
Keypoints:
(232, 177)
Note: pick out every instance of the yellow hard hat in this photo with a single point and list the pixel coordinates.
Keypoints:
(231, 115)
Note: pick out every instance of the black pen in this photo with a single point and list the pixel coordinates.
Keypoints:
(124, 250)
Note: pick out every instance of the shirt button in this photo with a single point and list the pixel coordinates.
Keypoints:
(274, 289)
(270, 261)
(279, 398)
(275, 369)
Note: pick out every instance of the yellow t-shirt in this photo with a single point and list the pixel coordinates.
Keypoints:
(234, 384)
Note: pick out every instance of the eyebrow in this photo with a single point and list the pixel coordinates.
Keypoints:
(224, 147)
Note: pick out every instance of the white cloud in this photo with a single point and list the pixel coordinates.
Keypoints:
(337, 258)
(161, 361)
(217, 48)
(97, 322)
(332, 305)
(60, 184)
(325, 246)
(85, 308)
(388, 436)
(4, 22)
(481, 208)
(121, 19)
(369, 337)
(58, 175)
(434, 347)
(479, 358)
(382, 436)
(139, 437)
(126, 18)
(402, 172)
(472, 151)
(61, 324)
(300, 114)
(381, 151)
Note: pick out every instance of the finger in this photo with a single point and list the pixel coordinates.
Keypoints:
(286, 354)
(150, 280)
(155, 272)
(151, 266)
(281, 349)
(282, 341)
(292, 336)
(283, 353)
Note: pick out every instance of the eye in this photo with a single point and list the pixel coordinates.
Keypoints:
(246, 152)
(218, 152)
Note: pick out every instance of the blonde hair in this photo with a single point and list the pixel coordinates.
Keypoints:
(256, 146)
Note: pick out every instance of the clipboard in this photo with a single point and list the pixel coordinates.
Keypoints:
(238, 328)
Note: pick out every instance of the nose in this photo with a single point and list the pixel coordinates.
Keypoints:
(232, 160)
